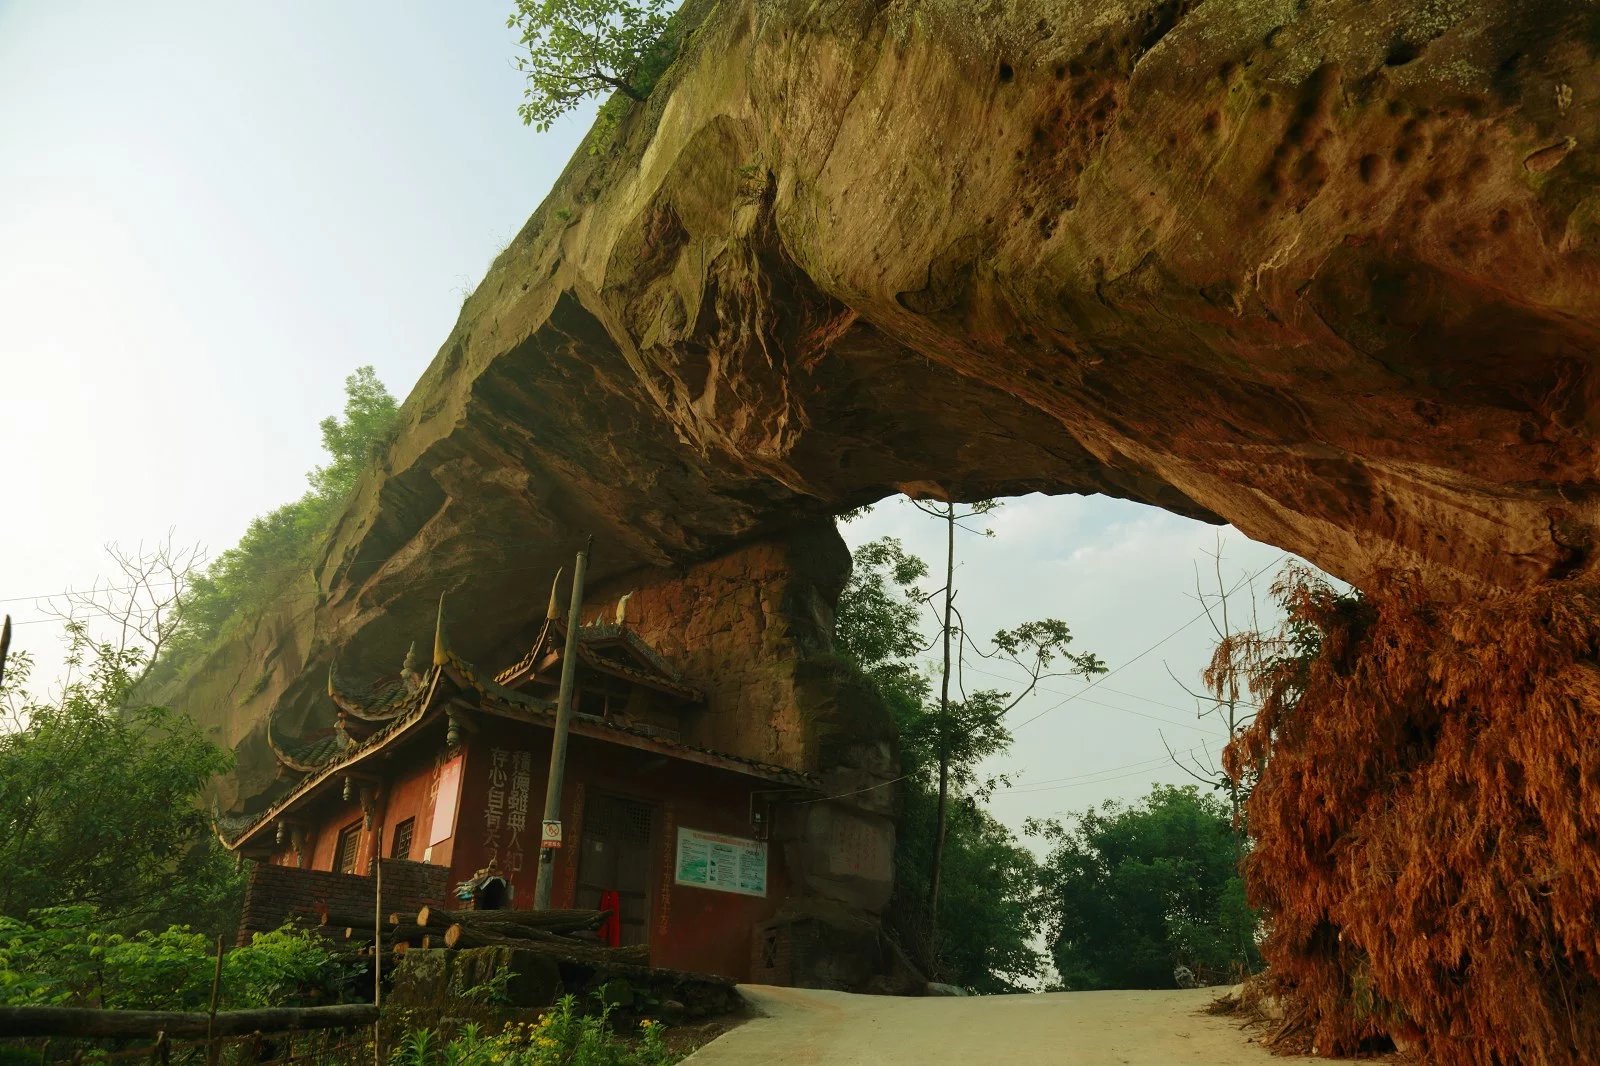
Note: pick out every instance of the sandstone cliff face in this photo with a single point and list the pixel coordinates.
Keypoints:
(1324, 271)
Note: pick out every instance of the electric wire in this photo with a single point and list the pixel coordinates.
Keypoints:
(1110, 673)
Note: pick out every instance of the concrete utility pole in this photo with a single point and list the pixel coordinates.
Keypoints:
(558, 744)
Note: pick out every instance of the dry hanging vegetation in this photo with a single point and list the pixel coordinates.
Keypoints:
(1426, 818)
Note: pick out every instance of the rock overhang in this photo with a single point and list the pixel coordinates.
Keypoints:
(1251, 262)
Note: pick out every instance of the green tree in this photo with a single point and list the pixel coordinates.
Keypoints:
(990, 913)
(575, 49)
(99, 799)
(1133, 892)
(354, 439)
(877, 625)
(962, 733)
(280, 547)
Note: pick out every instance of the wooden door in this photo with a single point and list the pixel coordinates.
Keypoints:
(615, 855)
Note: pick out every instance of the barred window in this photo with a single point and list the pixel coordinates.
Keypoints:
(344, 859)
(401, 848)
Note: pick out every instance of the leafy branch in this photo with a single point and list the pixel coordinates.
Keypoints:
(575, 49)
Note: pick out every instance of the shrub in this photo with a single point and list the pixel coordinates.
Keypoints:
(281, 546)
(563, 1037)
(61, 956)
(1426, 836)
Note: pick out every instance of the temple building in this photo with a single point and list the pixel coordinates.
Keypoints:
(447, 766)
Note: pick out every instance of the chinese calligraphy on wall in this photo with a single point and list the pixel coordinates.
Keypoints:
(505, 813)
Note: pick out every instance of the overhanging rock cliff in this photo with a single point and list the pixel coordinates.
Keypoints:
(1325, 271)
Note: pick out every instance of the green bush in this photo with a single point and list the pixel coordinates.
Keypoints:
(61, 956)
(563, 1037)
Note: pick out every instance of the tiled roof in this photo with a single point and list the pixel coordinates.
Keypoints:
(304, 756)
(342, 760)
(384, 699)
(594, 641)
(495, 698)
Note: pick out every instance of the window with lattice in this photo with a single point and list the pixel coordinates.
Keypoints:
(401, 847)
(344, 859)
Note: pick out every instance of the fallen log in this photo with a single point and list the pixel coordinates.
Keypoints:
(83, 1021)
(392, 933)
(459, 936)
(342, 918)
(557, 921)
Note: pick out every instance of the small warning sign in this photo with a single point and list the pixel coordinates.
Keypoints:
(550, 837)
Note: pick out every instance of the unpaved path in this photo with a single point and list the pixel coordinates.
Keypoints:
(807, 1027)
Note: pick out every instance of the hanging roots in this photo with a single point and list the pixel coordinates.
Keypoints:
(1426, 818)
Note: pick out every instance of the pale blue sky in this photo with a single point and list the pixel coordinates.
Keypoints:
(212, 212)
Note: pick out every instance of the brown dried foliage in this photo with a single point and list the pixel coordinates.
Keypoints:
(1426, 817)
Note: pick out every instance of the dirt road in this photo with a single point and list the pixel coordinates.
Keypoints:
(805, 1027)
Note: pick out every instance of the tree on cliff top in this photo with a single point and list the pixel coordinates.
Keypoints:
(280, 546)
(576, 49)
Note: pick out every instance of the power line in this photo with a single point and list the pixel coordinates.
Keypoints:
(1203, 613)
(1106, 781)
(1052, 783)
(1109, 706)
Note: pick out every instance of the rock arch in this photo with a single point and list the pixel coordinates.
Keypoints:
(1327, 272)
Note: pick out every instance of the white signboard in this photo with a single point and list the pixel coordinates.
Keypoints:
(723, 863)
(550, 836)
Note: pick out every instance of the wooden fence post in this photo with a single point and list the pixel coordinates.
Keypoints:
(211, 1022)
(377, 947)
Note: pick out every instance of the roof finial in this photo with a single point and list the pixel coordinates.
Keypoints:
(409, 666)
(440, 652)
(622, 608)
(553, 613)
(331, 689)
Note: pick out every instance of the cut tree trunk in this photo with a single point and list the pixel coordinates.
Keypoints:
(560, 921)
(459, 936)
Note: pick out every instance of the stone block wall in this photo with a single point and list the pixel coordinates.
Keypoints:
(740, 627)
(754, 629)
(276, 894)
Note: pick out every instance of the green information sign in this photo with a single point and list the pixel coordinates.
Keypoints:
(721, 863)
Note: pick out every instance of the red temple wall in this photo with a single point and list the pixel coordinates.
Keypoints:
(691, 928)
(409, 792)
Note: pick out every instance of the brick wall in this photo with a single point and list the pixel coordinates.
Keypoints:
(276, 894)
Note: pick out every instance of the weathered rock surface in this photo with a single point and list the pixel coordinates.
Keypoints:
(1326, 271)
